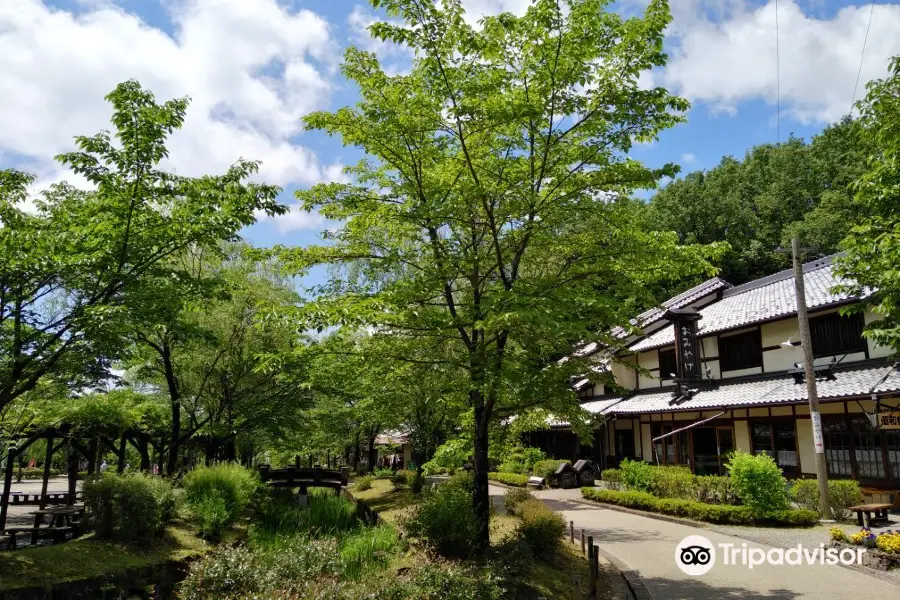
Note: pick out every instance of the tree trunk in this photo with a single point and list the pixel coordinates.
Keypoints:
(372, 456)
(175, 399)
(145, 454)
(481, 497)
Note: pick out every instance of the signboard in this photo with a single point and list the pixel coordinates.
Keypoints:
(687, 346)
(889, 420)
(818, 440)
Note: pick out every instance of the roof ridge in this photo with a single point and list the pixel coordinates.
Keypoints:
(813, 265)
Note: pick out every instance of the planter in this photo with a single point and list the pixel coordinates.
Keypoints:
(873, 557)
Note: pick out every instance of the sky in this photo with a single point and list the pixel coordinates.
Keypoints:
(253, 68)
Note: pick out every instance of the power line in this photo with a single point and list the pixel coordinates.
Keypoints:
(778, 78)
(861, 57)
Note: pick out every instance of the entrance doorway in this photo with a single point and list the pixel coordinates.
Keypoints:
(624, 444)
(711, 447)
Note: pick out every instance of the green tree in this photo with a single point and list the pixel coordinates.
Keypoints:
(757, 204)
(77, 264)
(872, 261)
(486, 216)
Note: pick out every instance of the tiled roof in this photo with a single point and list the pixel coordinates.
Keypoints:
(759, 300)
(653, 315)
(600, 407)
(847, 383)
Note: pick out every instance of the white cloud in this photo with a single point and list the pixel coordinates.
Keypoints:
(729, 58)
(688, 158)
(252, 69)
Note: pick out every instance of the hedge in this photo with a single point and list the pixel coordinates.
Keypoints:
(547, 468)
(712, 513)
(509, 479)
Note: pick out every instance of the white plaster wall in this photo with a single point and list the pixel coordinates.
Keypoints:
(741, 436)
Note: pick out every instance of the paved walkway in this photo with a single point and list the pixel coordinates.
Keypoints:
(647, 546)
(18, 515)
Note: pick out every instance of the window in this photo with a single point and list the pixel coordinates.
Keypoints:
(671, 450)
(667, 365)
(838, 444)
(741, 351)
(778, 439)
(833, 334)
(868, 452)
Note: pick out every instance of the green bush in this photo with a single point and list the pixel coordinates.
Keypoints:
(541, 528)
(613, 478)
(383, 473)
(513, 558)
(369, 546)
(363, 483)
(672, 482)
(842, 494)
(512, 467)
(713, 513)
(418, 482)
(401, 478)
(325, 514)
(547, 468)
(445, 519)
(509, 479)
(758, 483)
(130, 506)
(636, 475)
(514, 498)
(217, 495)
(713, 489)
(531, 456)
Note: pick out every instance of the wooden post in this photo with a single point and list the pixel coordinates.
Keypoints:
(572, 531)
(596, 568)
(72, 467)
(592, 581)
(7, 484)
(297, 461)
(42, 503)
(582, 542)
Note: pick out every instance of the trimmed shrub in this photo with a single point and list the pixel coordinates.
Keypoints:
(713, 513)
(671, 482)
(547, 468)
(613, 479)
(217, 495)
(512, 467)
(541, 528)
(758, 482)
(712, 489)
(363, 483)
(842, 494)
(509, 479)
(516, 497)
(129, 507)
(636, 475)
(445, 519)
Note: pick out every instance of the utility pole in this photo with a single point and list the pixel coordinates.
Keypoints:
(811, 390)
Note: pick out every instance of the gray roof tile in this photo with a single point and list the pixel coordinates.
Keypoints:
(847, 383)
(760, 300)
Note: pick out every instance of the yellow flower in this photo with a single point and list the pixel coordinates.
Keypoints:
(889, 542)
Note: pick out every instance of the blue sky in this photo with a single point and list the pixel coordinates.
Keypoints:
(254, 68)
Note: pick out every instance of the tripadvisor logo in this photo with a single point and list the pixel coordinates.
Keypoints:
(696, 555)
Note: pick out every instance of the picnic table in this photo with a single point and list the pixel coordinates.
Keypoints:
(871, 514)
(63, 519)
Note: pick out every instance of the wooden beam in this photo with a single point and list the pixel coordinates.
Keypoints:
(42, 503)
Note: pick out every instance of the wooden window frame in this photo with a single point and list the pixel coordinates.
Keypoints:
(833, 350)
(722, 342)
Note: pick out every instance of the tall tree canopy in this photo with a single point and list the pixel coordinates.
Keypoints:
(777, 190)
(486, 216)
(873, 245)
(77, 263)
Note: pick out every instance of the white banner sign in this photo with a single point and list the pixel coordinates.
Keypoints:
(818, 440)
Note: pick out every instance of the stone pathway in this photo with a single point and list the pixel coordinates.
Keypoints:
(647, 546)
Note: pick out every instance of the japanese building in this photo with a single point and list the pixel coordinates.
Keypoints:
(738, 350)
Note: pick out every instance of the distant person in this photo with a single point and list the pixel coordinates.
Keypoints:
(103, 467)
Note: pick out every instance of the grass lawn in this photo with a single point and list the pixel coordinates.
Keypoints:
(88, 557)
(551, 578)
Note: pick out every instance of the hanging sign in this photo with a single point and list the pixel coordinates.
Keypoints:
(687, 345)
(889, 420)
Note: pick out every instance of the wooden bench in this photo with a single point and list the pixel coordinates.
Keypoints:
(871, 514)
(57, 534)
